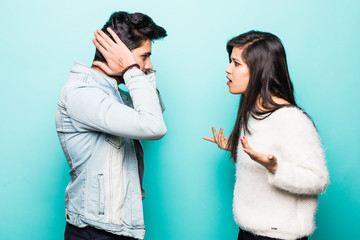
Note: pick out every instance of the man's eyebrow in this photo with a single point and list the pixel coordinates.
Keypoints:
(146, 54)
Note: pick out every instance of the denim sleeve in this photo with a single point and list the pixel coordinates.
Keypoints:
(93, 109)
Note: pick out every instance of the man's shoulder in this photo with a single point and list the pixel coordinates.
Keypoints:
(82, 85)
(85, 80)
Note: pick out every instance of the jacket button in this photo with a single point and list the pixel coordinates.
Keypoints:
(67, 217)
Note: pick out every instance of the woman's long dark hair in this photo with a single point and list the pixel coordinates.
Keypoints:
(265, 57)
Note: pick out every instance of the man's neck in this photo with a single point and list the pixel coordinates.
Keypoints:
(118, 79)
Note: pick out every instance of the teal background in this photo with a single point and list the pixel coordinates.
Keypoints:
(188, 181)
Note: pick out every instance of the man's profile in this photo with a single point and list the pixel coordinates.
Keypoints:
(99, 127)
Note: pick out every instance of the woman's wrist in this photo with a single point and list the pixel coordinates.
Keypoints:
(272, 169)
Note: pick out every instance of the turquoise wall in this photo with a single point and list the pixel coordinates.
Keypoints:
(189, 182)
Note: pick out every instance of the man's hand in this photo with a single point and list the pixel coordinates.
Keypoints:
(268, 161)
(220, 139)
(117, 55)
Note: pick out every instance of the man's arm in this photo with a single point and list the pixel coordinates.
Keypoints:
(93, 109)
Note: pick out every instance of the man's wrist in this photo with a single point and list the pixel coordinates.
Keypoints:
(130, 67)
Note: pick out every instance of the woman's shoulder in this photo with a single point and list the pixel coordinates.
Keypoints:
(291, 116)
(289, 110)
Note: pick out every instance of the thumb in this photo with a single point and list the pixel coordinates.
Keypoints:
(103, 66)
(272, 158)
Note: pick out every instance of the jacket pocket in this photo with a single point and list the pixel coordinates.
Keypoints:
(114, 141)
(101, 200)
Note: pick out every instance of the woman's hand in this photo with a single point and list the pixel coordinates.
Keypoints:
(220, 139)
(268, 161)
(117, 55)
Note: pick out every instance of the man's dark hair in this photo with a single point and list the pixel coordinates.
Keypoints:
(133, 29)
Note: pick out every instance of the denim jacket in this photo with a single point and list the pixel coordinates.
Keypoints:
(99, 127)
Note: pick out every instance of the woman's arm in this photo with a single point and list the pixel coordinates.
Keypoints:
(269, 161)
(299, 164)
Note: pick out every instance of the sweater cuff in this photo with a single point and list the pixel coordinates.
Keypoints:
(133, 72)
(281, 175)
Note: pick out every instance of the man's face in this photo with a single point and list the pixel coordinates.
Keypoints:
(142, 56)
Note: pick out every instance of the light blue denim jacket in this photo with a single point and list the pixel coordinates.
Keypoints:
(97, 125)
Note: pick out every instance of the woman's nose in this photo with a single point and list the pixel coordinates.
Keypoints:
(228, 69)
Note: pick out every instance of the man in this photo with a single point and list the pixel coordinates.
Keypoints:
(99, 127)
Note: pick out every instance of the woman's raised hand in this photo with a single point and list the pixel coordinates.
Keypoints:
(268, 161)
(220, 139)
(117, 55)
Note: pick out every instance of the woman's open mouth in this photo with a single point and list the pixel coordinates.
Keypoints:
(228, 82)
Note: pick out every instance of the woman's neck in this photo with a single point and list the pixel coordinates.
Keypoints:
(277, 100)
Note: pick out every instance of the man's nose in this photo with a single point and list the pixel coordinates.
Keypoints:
(148, 65)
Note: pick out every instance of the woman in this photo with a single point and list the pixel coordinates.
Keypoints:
(280, 164)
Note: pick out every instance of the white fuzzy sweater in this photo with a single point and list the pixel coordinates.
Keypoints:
(280, 205)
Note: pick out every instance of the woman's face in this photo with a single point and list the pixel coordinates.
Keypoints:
(238, 72)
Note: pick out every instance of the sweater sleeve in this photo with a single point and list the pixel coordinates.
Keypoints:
(301, 161)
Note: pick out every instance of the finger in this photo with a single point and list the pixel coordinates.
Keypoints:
(115, 36)
(99, 47)
(222, 137)
(253, 155)
(250, 152)
(101, 41)
(103, 66)
(215, 134)
(241, 141)
(223, 140)
(245, 143)
(209, 139)
(246, 150)
(105, 37)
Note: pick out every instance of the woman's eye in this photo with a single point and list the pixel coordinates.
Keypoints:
(237, 64)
